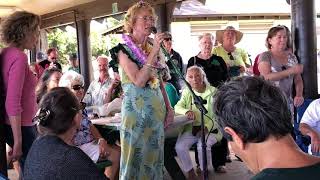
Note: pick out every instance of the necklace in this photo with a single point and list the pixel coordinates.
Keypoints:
(141, 56)
(140, 53)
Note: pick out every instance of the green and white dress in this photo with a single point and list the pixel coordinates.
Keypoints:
(142, 132)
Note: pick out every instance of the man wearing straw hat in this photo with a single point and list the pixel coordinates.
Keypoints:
(236, 58)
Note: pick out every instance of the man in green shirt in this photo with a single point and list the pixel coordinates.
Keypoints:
(254, 117)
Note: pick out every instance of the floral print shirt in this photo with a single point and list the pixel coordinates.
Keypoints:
(84, 134)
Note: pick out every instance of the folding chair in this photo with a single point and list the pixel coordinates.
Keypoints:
(302, 141)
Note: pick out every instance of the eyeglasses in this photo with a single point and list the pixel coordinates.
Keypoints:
(77, 87)
(146, 18)
(167, 39)
(230, 56)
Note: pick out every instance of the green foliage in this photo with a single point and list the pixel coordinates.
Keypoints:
(66, 41)
(98, 44)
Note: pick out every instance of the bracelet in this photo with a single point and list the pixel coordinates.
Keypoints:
(100, 140)
(150, 66)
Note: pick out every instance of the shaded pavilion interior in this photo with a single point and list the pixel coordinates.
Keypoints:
(56, 13)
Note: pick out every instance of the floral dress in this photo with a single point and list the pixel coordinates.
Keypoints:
(142, 132)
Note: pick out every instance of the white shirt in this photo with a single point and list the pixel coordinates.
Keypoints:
(311, 116)
(96, 92)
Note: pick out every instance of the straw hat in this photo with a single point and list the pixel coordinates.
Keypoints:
(219, 34)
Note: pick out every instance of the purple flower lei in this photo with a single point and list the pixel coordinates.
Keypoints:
(141, 56)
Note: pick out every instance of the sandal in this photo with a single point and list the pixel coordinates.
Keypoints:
(198, 170)
(220, 169)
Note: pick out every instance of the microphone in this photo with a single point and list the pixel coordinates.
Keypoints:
(153, 30)
(168, 58)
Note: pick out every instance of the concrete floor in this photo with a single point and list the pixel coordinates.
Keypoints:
(235, 170)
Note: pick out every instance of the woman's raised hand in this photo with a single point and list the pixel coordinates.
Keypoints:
(158, 38)
(297, 69)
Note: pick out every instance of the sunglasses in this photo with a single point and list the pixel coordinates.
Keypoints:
(77, 87)
(230, 56)
(167, 39)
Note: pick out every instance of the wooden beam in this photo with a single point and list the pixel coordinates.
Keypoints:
(89, 10)
(229, 17)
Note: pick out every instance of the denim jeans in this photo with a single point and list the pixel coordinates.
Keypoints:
(28, 133)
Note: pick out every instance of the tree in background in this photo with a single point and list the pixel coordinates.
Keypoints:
(66, 40)
(98, 44)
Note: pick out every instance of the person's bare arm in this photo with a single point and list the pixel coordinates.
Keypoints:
(265, 70)
(95, 133)
(16, 151)
(140, 77)
(104, 151)
(314, 135)
(298, 82)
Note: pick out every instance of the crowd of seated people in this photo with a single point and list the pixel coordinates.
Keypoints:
(87, 137)
(151, 93)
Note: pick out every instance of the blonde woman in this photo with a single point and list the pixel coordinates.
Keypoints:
(143, 107)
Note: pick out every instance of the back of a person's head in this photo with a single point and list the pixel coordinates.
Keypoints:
(17, 26)
(57, 110)
(253, 108)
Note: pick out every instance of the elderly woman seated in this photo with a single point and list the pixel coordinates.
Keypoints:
(52, 155)
(191, 132)
(88, 137)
